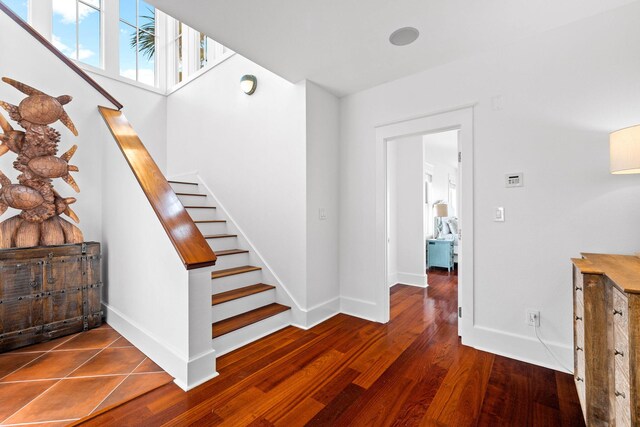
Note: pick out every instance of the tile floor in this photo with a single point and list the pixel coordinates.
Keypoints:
(69, 378)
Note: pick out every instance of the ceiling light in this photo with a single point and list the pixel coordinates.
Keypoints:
(404, 36)
(248, 84)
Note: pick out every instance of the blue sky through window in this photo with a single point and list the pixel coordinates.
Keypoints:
(135, 63)
(20, 7)
(83, 44)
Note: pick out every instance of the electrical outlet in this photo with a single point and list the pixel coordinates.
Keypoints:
(533, 317)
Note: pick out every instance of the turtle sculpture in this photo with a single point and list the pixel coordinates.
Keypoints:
(39, 223)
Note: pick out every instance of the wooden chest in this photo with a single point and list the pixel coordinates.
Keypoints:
(607, 337)
(48, 292)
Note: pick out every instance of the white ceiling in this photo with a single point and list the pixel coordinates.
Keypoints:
(343, 44)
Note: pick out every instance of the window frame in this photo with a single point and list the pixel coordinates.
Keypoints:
(40, 16)
(33, 12)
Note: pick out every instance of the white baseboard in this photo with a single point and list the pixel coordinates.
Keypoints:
(187, 373)
(520, 347)
(319, 313)
(359, 308)
(419, 280)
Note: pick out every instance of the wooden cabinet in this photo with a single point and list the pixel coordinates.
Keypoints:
(606, 290)
(48, 292)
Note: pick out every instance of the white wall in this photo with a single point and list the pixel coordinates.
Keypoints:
(323, 134)
(146, 110)
(251, 152)
(562, 92)
(406, 199)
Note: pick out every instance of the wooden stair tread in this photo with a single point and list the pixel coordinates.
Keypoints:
(209, 221)
(199, 207)
(233, 271)
(183, 182)
(232, 252)
(245, 319)
(191, 194)
(219, 236)
(240, 293)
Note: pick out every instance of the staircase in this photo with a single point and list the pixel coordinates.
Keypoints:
(243, 307)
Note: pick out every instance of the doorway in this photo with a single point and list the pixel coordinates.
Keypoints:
(460, 120)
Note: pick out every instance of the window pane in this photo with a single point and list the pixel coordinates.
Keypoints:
(20, 7)
(179, 59)
(146, 58)
(64, 27)
(147, 17)
(89, 35)
(203, 50)
(128, 11)
(127, 51)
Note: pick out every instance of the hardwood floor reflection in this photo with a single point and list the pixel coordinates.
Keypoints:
(351, 372)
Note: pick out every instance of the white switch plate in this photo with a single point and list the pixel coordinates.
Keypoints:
(514, 180)
(322, 213)
(498, 214)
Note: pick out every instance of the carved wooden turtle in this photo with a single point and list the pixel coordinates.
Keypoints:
(11, 139)
(17, 196)
(56, 167)
(38, 107)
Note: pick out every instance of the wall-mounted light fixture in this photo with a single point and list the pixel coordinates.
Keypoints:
(624, 150)
(248, 84)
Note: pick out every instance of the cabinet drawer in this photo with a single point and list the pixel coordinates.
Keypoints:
(622, 399)
(620, 312)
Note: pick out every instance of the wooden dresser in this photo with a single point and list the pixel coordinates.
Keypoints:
(606, 308)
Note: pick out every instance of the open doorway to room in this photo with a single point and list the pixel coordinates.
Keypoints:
(422, 197)
(441, 176)
(422, 207)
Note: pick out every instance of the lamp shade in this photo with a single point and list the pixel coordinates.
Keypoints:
(442, 210)
(624, 150)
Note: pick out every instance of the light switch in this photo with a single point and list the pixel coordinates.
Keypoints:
(498, 214)
(322, 213)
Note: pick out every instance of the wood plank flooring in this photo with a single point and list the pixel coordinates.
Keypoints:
(346, 371)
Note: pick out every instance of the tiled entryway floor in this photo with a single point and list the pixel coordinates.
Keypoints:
(69, 378)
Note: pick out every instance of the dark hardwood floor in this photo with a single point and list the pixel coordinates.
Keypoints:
(346, 371)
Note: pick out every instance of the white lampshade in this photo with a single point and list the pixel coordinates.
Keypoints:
(441, 210)
(624, 150)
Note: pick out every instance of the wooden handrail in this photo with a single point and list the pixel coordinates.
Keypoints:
(46, 43)
(191, 245)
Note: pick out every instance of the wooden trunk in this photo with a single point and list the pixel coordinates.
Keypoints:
(48, 292)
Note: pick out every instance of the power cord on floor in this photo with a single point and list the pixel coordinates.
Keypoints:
(549, 350)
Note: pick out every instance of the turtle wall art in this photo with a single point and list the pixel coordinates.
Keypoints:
(39, 223)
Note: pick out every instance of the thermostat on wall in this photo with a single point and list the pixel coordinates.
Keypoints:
(514, 180)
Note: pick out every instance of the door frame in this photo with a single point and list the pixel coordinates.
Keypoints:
(459, 118)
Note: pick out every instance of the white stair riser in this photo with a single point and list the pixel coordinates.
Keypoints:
(223, 244)
(236, 281)
(193, 200)
(185, 188)
(212, 227)
(248, 334)
(230, 261)
(242, 305)
(202, 214)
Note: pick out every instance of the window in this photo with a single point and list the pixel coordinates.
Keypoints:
(20, 7)
(191, 51)
(77, 30)
(138, 41)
